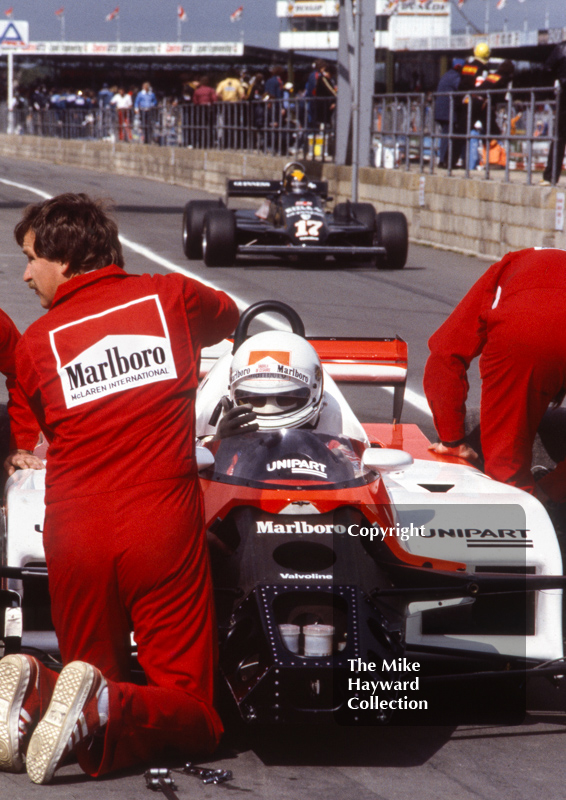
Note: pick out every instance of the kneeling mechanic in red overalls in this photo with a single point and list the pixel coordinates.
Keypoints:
(111, 373)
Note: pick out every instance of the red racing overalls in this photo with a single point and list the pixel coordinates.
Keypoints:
(19, 409)
(111, 372)
(513, 318)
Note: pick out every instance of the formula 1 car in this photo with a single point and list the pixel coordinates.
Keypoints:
(353, 568)
(293, 222)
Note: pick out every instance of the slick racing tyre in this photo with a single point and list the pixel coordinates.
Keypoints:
(219, 238)
(393, 234)
(193, 224)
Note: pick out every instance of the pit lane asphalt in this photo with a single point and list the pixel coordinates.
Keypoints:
(393, 763)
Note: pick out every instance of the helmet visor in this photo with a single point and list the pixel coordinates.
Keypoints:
(268, 405)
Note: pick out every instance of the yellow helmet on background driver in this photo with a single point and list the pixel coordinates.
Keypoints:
(482, 52)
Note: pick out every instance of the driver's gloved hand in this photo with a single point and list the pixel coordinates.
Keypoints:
(240, 419)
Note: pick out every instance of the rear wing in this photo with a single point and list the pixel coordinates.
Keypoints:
(375, 361)
(250, 188)
(259, 188)
(382, 362)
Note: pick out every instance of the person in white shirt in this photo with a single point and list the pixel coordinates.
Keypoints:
(122, 102)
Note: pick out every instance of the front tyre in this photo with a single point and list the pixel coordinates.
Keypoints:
(393, 234)
(193, 224)
(219, 238)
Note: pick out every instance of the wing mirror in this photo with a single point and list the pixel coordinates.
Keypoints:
(386, 459)
(204, 458)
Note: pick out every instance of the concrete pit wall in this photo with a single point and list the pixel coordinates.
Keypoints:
(475, 216)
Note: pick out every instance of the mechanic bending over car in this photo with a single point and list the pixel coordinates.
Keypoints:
(514, 318)
(9, 336)
(111, 373)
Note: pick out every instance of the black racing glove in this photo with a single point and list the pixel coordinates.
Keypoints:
(240, 419)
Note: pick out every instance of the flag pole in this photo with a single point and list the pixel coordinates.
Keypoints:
(10, 87)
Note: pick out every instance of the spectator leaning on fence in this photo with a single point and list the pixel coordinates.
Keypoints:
(204, 94)
(230, 90)
(122, 102)
(556, 63)
(449, 82)
(144, 104)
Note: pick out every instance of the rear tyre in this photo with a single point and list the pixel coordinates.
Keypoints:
(393, 234)
(193, 224)
(219, 238)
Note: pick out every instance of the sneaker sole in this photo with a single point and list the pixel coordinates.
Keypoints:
(15, 674)
(52, 734)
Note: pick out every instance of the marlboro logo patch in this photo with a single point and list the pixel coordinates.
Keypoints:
(123, 348)
(281, 356)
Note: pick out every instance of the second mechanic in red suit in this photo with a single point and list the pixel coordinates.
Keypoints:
(514, 318)
(26, 422)
(111, 373)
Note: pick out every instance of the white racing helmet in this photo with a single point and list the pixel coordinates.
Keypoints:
(280, 375)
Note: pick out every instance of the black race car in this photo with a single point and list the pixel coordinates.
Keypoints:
(292, 222)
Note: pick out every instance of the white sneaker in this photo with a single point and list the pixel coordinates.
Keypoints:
(72, 716)
(19, 708)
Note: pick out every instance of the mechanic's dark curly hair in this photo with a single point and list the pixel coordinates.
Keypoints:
(73, 229)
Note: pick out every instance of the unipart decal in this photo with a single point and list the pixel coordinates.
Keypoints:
(484, 537)
(122, 348)
(299, 466)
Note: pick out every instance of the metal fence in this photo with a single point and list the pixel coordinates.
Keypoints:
(508, 131)
(301, 127)
(488, 130)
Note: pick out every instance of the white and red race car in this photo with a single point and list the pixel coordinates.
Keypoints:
(348, 586)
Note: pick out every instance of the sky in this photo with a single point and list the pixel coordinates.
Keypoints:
(209, 20)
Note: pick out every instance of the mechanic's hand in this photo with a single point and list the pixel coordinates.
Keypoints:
(22, 459)
(240, 419)
(460, 451)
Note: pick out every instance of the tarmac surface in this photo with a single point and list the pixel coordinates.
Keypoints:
(473, 761)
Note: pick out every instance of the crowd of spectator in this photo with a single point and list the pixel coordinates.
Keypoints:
(269, 107)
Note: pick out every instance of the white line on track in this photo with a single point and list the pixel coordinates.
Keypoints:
(415, 399)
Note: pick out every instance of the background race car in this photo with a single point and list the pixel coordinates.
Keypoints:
(293, 222)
